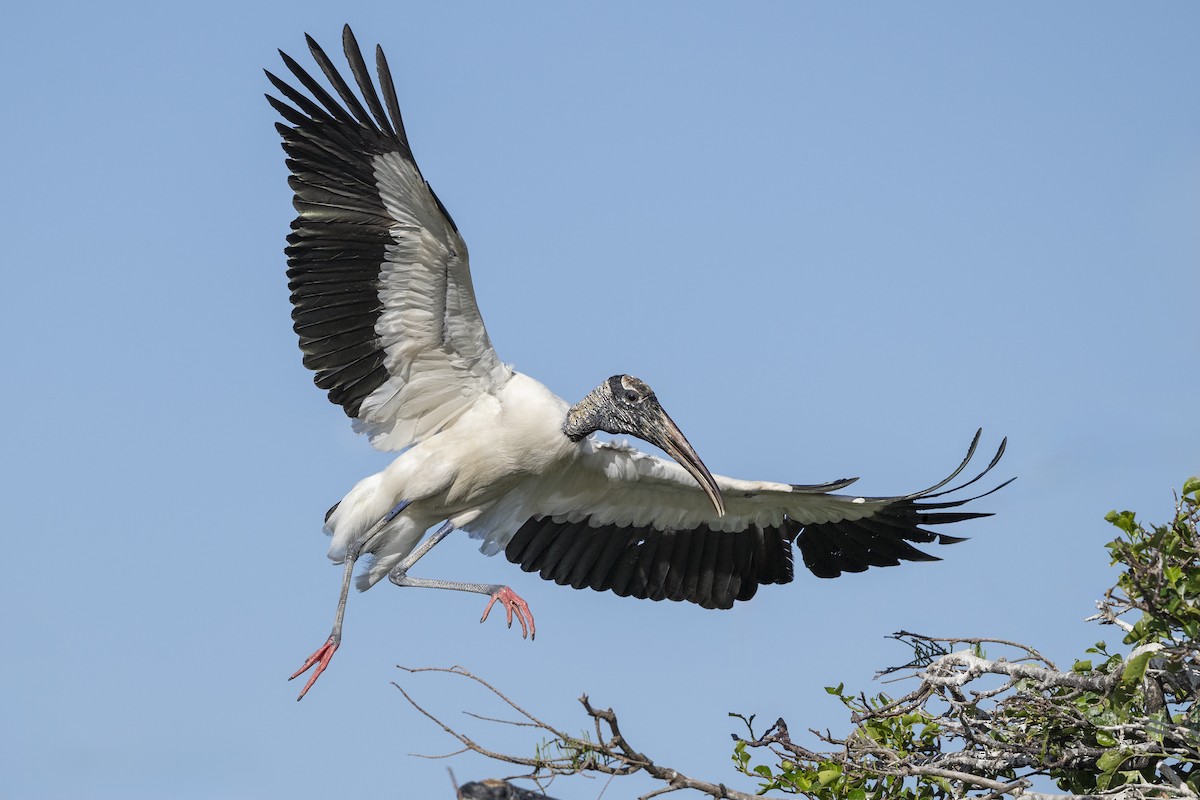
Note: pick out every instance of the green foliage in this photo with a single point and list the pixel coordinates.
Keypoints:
(1162, 572)
(1115, 719)
(829, 779)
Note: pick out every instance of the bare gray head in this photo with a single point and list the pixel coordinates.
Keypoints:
(624, 404)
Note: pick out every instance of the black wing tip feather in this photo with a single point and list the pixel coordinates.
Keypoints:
(823, 488)
(708, 567)
(383, 128)
(883, 538)
(341, 231)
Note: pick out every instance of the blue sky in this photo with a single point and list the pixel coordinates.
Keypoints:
(834, 238)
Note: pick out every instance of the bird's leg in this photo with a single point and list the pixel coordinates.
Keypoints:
(400, 569)
(324, 653)
(508, 598)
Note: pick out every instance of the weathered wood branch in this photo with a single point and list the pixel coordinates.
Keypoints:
(611, 753)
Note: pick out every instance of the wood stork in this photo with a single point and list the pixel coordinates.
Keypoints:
(386, 315)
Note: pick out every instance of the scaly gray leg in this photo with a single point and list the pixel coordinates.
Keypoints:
(508, 598)
(324, 653)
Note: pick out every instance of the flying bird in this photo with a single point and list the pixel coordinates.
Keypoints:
(387, 318)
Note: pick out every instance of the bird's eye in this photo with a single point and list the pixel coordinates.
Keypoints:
(631, 397)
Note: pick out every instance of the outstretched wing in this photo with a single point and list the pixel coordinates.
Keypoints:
(637, 525)
(381, 288)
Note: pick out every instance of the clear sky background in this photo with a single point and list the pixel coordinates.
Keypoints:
(835, 238)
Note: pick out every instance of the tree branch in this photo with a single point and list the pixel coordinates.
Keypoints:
(610, 754)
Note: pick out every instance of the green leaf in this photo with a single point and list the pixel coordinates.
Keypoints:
(802, 782)
(828, 776)
(740, 755)
(1192, 486)
(1135, 668)
(1123, 520)
(1082, 666)
(1110, 760)
(835, 689)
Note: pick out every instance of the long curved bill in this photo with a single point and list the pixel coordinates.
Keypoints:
(664, 433)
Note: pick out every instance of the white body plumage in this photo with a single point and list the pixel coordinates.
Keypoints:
(456, 474)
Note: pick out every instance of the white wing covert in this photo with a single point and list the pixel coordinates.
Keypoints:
(381, 288)
(637, 525)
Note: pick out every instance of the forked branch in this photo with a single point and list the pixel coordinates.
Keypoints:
(564, 754)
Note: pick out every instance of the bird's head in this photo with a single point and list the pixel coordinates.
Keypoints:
(624, 404)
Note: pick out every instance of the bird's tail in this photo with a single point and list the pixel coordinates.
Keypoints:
(353, 516)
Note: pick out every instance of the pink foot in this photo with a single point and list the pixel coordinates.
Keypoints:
(513, 603)
(321, 659)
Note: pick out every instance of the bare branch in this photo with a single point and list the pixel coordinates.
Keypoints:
(610, 754)
(945, 672)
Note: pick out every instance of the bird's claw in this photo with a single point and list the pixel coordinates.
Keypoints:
(513, 603)
(321, 659)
